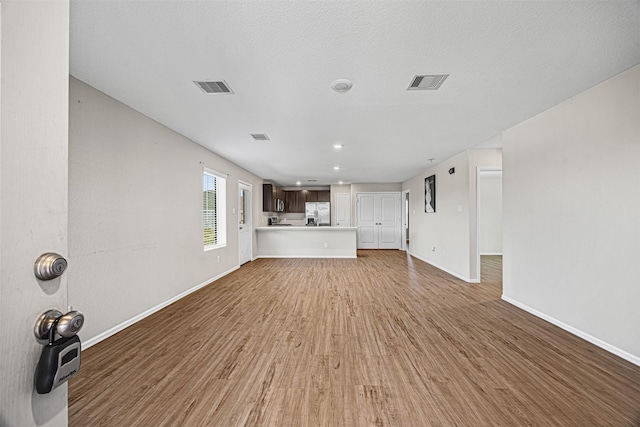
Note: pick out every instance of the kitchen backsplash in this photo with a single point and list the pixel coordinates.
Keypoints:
(292, 218)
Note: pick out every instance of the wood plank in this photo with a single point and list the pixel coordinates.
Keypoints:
(382, 340)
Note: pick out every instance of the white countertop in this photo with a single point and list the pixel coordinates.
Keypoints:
(306, 228)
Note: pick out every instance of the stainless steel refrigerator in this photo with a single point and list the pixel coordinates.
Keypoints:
(317, 213)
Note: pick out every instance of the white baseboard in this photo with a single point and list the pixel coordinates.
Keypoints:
(491, 253)
(106, 334)
(446, 270)
(307, 256)
(593, 340)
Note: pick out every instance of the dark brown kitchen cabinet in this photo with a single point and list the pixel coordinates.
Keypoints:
(267, 198)
(324, 195)
(294, 201)
(270, 196)
(310, 195)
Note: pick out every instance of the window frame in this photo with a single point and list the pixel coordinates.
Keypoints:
(220, 222)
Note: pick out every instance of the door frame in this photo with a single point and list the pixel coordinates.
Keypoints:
(404, 213)
(250, 209)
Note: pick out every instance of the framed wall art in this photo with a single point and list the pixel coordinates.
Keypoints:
(430, 194)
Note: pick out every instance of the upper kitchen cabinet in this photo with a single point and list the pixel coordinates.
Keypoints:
(324, 196)
(267, 198)
(270, 197)
(294, 201)
(310, 196)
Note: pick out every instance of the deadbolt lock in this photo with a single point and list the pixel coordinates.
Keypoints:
(49, 266)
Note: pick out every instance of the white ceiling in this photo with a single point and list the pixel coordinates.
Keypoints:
(507, 62)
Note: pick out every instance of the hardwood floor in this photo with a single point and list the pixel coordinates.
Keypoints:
(381, 340)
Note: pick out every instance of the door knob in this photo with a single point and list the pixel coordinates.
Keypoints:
(49, 266)
(66, 325)
(70, 324)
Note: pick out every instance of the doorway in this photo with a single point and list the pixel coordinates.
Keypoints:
(245, 228)
(404, 239)
(489, 211)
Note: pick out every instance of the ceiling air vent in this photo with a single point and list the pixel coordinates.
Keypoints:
(427, 82)
(259, 136)
(214, 87)
(312, 180)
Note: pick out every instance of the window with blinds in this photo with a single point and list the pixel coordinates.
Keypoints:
(214, 225)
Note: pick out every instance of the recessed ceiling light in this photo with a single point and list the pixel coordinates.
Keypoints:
(338, 146)
(341, 85)
(298, 183)
(336, 168)
(340, 182)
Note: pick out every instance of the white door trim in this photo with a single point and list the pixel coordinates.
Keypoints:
(404, 213)
(248, 186)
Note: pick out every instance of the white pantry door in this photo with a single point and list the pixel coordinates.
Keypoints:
(34, 118)
(343, 210)
(378, 220)
(245, 229)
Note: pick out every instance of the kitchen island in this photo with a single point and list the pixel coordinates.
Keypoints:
(306, 242)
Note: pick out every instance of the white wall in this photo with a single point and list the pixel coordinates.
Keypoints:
(490, 215)
(451, 230)
(572, 214)
(135, 212)
(447, 229)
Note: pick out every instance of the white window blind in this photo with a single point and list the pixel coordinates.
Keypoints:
(214, 224)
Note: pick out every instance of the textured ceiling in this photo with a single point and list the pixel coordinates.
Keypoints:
(507, 62)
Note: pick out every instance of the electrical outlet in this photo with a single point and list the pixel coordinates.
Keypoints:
(433, 249)
(326, 245)
(218, 259)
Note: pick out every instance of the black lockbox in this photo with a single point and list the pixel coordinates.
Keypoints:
(59, 361)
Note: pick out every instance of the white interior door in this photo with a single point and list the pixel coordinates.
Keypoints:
(379, 220)
(245, 229)
(367, 221)
(34, 120)
(343, 210)
(389, 221)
